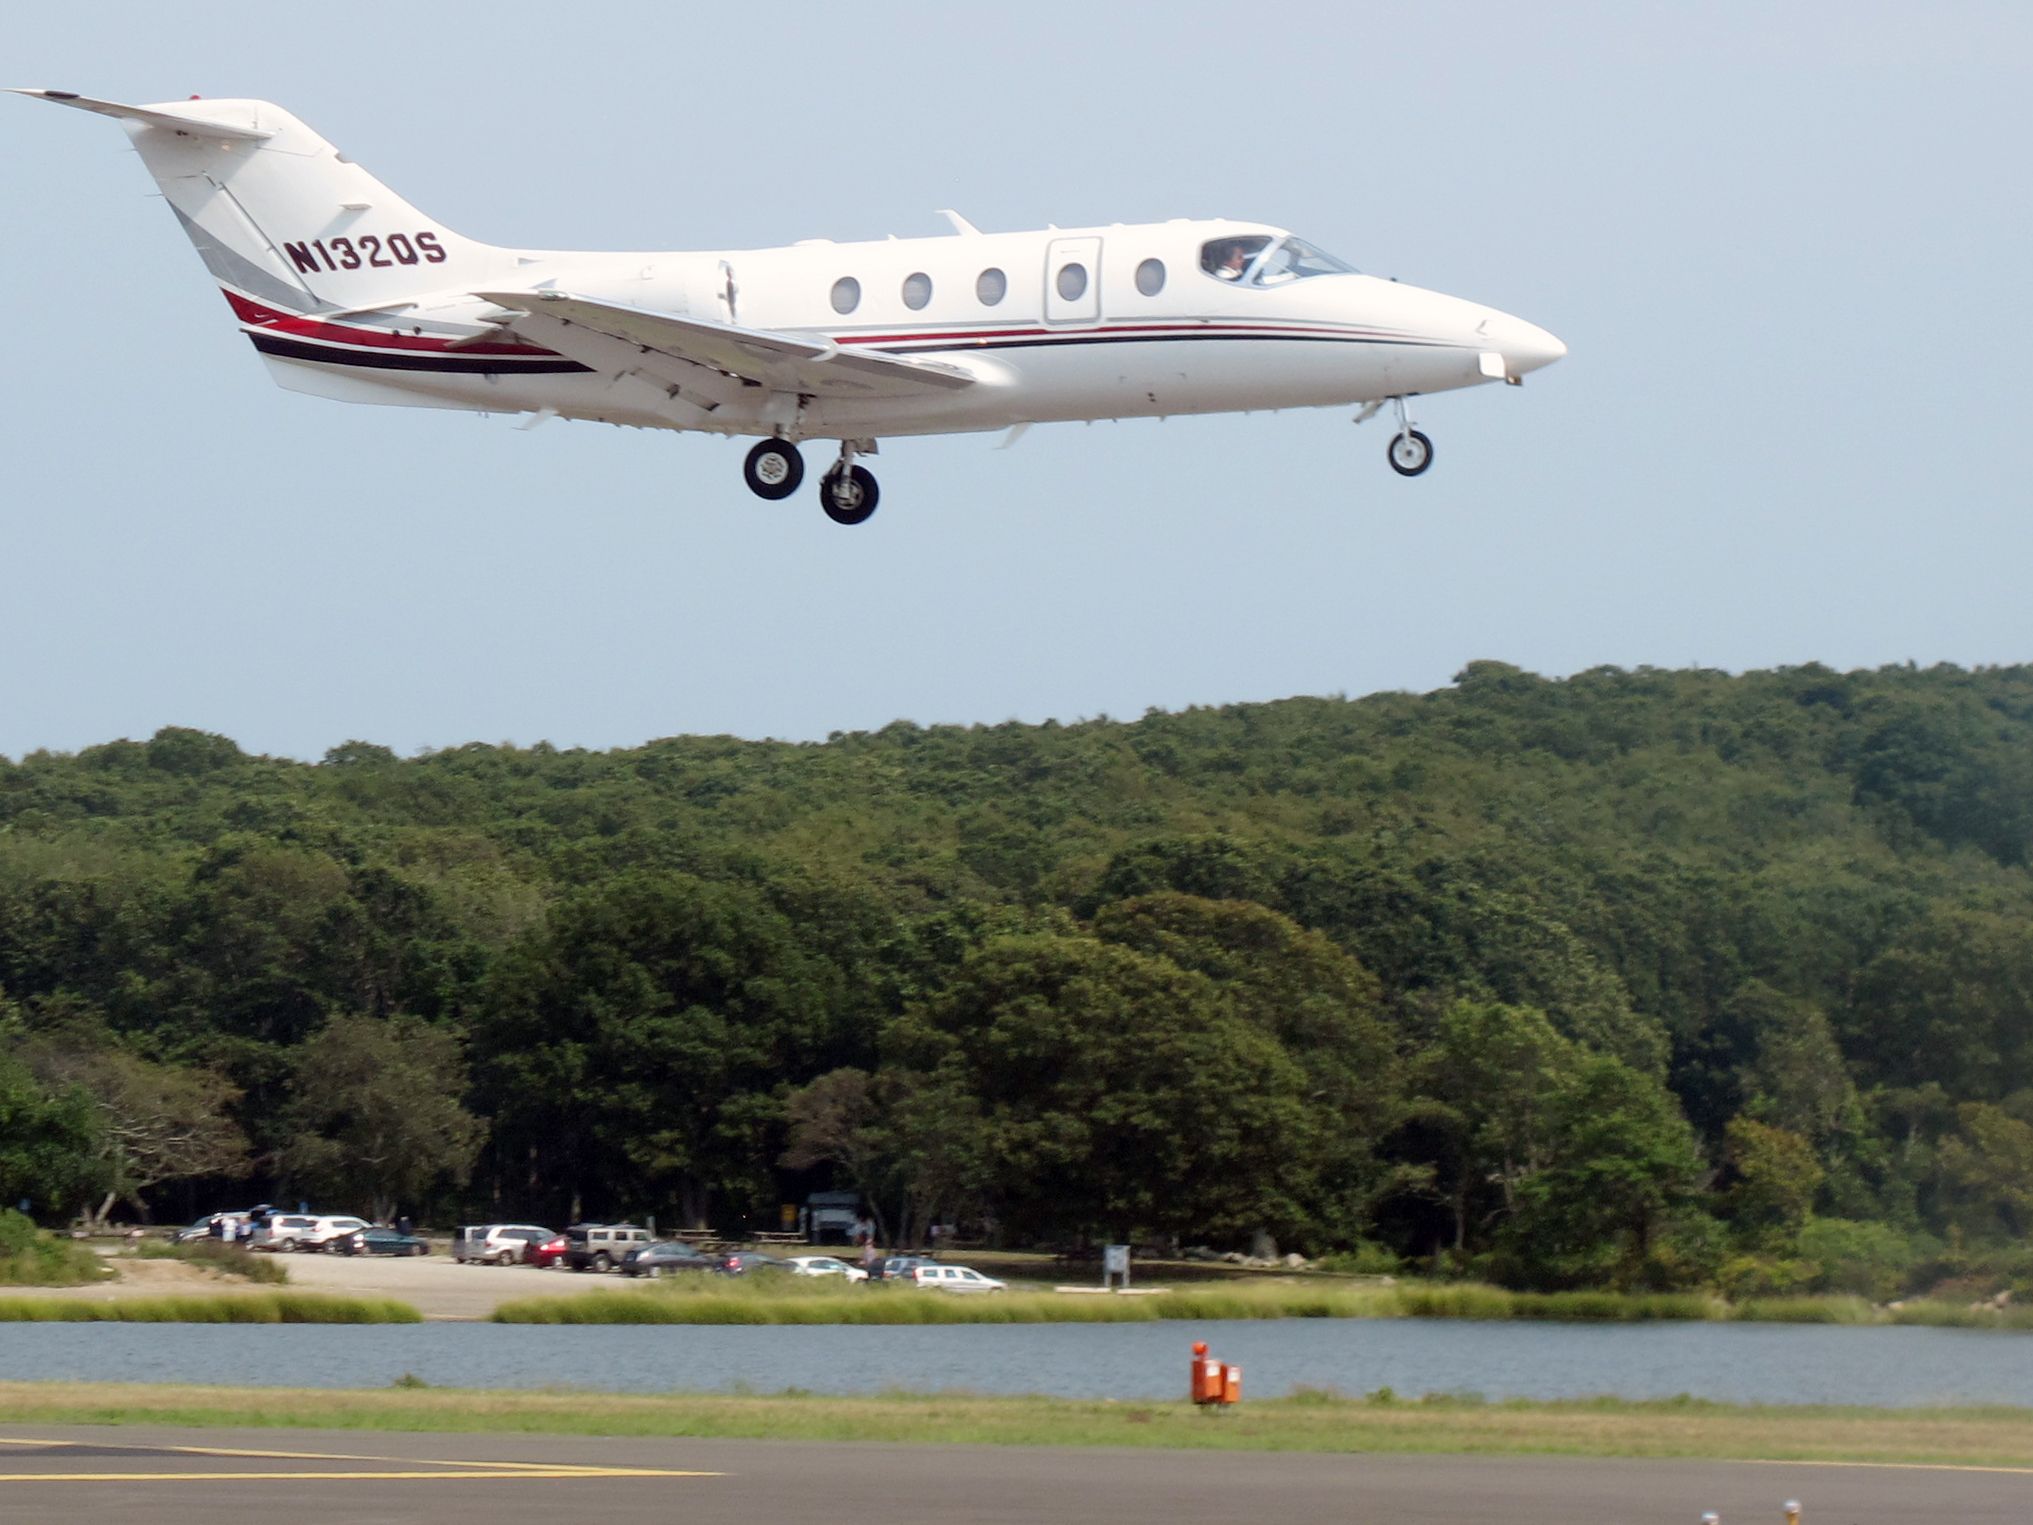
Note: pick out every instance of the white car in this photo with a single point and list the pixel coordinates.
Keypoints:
(497, 1244)
(955, 1279)
(282, 1231)
(825, 1265)
(322, 1232)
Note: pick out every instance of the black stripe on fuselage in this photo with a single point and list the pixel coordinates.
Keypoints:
(397, 360)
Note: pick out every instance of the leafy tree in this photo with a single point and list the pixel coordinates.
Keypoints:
(376, 1112)
(52, 1152)
(1987, 1171)
(1322, 1009)
(914, 1149)
(1115, 1091)
(1492, 1079)
(1616, 1205)
(635, 1048)
(158, 1122)
(1948, 1002)
(1771, 1178)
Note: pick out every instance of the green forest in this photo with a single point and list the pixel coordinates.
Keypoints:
(1636, 978)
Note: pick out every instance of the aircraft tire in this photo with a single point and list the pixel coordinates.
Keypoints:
(851, 501)
(1411, 453)
(773, 470)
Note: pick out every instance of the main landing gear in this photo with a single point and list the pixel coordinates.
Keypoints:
(774, 470)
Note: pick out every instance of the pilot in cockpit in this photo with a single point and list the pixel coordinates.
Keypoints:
(1227, 259)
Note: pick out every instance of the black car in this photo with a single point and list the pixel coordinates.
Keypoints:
(380, 1241)
(899, 1267)
(748, 1263)
(666, 1258)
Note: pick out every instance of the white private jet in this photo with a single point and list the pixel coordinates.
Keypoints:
(349, 292)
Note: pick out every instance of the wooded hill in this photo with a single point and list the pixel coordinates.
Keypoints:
(1638, 977)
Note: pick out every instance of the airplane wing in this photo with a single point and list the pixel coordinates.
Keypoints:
(780, 362)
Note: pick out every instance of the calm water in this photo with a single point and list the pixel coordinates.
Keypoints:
(1730, 1362)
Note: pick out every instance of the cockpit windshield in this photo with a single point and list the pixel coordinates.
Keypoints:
(1257, 259)
(1293, 259)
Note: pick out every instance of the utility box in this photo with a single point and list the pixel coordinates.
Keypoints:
(1114, 1263)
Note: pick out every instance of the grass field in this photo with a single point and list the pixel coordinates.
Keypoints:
(238, 1308)
(703, 1300)
(1998, 1437)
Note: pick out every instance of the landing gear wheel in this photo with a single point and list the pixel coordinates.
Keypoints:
(774, 469)
(1411, 453)
(849, 497)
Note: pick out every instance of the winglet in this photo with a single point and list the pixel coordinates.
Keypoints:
(174, 117)
(961, 225)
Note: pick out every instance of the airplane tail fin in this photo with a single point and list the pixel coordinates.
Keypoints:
(282, 218)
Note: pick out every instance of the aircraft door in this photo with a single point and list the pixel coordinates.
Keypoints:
(1073, 280)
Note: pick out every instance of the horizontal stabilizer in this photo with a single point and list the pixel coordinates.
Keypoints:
(782, 362)
(175, 117)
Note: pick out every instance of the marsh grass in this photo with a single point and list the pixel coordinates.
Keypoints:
(702, 1300)
(1809, 1310)
(242, 1308)
(1946, 1315)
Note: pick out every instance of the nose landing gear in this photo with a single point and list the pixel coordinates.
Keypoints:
(848, 492)
(1410, 451)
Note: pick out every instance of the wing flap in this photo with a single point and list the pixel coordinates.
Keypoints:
(779, 361)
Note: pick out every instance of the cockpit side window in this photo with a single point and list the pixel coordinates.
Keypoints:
(1228, 259)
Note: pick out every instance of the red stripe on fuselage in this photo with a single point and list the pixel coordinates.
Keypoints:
(297, 326)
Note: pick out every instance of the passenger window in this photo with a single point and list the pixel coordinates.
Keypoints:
(991, 286)
(917, 290)
(1073, 281)
(846, 294)
(1151, 277)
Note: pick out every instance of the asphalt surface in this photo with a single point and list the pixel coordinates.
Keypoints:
(170, 1476)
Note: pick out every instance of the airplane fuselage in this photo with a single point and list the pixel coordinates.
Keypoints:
(1150, 333)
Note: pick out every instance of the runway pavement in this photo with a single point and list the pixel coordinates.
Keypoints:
(171, 1476)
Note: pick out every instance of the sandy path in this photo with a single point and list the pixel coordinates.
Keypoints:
(437, 1286)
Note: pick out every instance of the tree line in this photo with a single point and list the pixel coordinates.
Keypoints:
(1636, 978)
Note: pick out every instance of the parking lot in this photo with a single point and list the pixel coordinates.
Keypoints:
(435, 1285)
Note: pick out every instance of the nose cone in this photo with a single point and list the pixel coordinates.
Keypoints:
(1524, 346)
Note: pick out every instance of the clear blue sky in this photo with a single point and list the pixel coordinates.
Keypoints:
(1787, 246)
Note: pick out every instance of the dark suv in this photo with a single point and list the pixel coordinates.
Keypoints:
(602, 1246)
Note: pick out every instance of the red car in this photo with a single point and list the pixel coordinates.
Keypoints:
(548, 1253)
